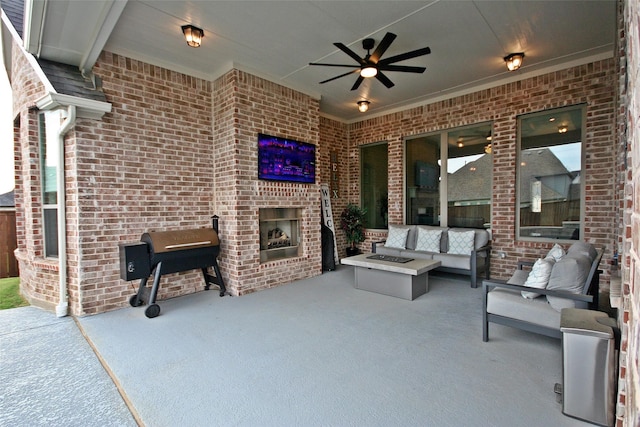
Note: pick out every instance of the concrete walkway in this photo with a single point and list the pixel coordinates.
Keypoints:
(50, 375)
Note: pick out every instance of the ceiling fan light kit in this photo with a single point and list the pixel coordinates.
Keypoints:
(372, 66)
(514, 60)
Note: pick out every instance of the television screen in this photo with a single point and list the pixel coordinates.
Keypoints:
(281, 159)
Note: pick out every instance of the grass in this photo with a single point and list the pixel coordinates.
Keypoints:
(10, 293)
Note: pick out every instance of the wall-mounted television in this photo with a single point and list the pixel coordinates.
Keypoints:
(282, 159)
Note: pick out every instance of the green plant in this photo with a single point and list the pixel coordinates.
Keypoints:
(352, 223)
(10, 293)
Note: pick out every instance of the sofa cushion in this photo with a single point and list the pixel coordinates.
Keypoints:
(556, 252)
(462, 262)
(538, 277)
(397, 237)
(569, 274)
(583, 248)
(461, 242)
(428, 239)
(509, 303)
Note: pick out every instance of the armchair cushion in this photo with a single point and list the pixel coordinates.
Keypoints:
(538, 276)
(556, 252)
(569, 274)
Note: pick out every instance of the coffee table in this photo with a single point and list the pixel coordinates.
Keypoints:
(401, 278)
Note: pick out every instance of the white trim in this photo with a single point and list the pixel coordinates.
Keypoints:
(86, 108)
(109, 20)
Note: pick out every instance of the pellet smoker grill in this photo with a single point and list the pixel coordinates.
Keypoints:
(165, 252)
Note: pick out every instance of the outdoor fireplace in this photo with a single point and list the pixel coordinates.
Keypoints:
(279, 233)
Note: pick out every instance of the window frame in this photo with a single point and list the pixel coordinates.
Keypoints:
(518, 173)
(362, 181)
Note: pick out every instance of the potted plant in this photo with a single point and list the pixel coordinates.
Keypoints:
(352, 223)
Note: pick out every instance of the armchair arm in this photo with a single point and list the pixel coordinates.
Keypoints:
(374, 245)
(524, 263)
(487, 285)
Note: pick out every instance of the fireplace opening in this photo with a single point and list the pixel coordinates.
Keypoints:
(279, 233)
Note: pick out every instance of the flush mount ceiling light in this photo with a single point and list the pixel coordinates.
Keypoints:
(363, 106)
(514, 60)
(193, 35)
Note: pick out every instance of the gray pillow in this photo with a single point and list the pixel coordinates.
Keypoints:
(568, 274)
(584, 249)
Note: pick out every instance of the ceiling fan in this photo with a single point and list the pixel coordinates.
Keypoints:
(371, 65)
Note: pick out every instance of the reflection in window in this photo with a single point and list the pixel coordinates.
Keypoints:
(374, 184)
(549, 174)
(465, 190)
(49, 125)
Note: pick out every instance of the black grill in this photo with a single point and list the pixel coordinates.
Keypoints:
(165, 252)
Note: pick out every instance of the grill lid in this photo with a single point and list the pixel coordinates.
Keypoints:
(179, 240)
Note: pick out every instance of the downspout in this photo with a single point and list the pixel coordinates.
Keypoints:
(62, 309)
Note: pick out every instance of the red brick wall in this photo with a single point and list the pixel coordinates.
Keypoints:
(628, 410)
(38, 277)
(592, 84)
(334, 137)
(243, 106)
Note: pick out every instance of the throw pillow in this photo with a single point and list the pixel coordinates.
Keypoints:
(397, 237)
(569, 274)
(556, 252)
(538, 276)
(461, 242)
(428, 240)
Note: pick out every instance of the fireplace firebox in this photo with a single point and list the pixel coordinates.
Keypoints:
(279, 233)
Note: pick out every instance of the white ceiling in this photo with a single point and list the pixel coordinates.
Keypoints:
(278, 39)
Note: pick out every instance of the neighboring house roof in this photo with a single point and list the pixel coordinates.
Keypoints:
(473, 181)
(7, 200)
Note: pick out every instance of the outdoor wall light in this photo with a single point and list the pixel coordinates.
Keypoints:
(514, 61)
(193, 35)
(363, 106)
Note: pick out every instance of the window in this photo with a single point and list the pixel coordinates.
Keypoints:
(462, 196)
(373, 184)
(550, 190)
(49, 125)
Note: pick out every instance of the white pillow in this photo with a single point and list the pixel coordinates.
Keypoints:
(556, 253)
(428, 240)
(538, 276)
(461, 242)
(397, 238)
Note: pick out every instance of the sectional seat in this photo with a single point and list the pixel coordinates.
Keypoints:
(459, 250)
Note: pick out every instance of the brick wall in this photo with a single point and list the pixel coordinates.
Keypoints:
(243, 106)
(592, 84)
(38, 277)
(629, 380)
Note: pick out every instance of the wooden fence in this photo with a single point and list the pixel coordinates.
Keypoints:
(8, 244)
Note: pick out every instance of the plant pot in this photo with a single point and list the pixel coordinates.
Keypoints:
(352, 251)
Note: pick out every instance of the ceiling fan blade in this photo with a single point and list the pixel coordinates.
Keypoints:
(384, 80)
(356, 85)
(341, 75)
(334, 65)
(405, 56)
(382, 47)
(402, 68)
(351, 53)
